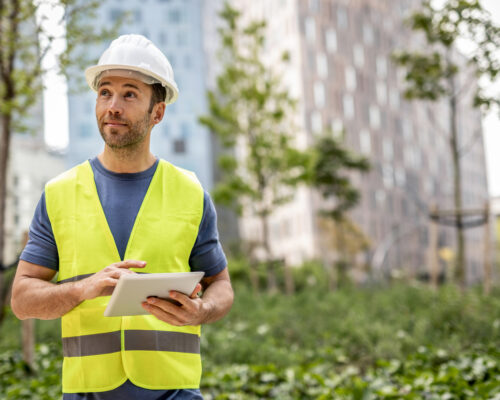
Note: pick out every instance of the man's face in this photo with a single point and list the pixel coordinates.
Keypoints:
(122, 111)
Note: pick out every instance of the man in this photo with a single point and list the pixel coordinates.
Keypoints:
(122, 212)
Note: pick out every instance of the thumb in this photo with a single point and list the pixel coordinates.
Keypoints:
(196, 290)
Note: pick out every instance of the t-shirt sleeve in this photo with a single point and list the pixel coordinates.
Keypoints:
(207, 254)
(41, 248)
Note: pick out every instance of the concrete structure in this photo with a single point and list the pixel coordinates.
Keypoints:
(341, 72)
(31, 165)
(176, 28)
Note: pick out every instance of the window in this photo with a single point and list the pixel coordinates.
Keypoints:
(181, 39)
(394, 98)
(174, 16)
(342, 20)
(316, 122)
(387, 149)
(322, 65)
(358, 55)
(388, 175)
(374, 116)
(314, 5)
(365, 141)
(337, 127)
(400, 176)
(331, 40)
(310, 29)
(137, 16)
(350, 78)
(381, 90)
(381, 66)
(319, 94)
(380, 197)
(162, 38)
(179, 146)
(348, 105)
(407, 130)
(368, 36)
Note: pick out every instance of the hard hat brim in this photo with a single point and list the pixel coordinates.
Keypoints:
(91, 73)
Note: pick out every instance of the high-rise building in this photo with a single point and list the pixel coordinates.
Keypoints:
(175, 27)
(343, 76)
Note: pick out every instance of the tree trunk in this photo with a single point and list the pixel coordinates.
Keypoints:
(460, 267)
(254, 276)
(4, 155)
(272, 283)
(433, 250)
(487, 252)
(28, 338)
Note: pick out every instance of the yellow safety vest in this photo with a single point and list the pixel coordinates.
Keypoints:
(101, 353)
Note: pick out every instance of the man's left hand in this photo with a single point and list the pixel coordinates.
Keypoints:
(189, 310)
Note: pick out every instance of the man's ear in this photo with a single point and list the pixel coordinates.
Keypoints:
(158, 112)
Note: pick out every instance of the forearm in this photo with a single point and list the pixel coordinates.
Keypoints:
(36, 298)
(218, 299)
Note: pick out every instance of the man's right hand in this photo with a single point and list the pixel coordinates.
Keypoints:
(102, 283)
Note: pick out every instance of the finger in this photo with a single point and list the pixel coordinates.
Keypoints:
(181, 298)
(168, 305)
(162, 314)
(131, 264)
(196, 291)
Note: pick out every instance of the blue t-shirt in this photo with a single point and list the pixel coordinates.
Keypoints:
(121, 196)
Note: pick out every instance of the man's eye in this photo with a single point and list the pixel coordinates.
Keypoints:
(104, 92)
(130, 94)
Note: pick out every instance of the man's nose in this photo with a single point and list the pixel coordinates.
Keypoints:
(115, 106)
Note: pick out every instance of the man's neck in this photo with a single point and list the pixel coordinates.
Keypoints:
(120, 161)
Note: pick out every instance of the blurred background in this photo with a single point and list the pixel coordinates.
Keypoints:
(351, 150)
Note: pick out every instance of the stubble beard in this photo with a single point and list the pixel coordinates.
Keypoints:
(129, 139)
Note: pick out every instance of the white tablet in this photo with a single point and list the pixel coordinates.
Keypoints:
(132, 289)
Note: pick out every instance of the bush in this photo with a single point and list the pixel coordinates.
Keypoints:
(404, 342)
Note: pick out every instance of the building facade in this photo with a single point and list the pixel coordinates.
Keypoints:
(31, 165)
(341, 55)
(175, 27)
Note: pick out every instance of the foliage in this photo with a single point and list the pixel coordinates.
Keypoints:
(251, 110)
(17, 382)
(430, 373)
(428, 74)
(401, 341)
(328, 175)
(355, 325)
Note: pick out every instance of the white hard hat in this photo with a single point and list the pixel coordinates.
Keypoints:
(135, 53)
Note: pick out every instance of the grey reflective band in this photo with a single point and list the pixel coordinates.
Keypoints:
(110, 342)
(162, 341)
(91, 345)
(75, 278)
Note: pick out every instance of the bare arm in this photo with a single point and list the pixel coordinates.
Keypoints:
(215, 303)
(34, 296)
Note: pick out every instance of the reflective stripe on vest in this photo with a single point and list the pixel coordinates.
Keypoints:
(100, 353)
(110, 342)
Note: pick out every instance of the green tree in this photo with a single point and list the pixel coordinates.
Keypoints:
(250, 109)
(25, 42)
(329, 170)
(434, 76)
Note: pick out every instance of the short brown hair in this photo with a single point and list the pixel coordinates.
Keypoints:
(159, 94)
